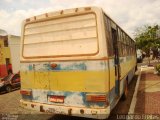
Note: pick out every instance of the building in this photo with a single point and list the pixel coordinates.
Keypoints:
(14, 46)
(9, 53)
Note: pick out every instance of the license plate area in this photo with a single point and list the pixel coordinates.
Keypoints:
(56, 99)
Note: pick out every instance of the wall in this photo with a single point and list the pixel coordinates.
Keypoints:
(4, 53)
(14, 45)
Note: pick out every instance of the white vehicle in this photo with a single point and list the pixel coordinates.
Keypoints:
(139, 56)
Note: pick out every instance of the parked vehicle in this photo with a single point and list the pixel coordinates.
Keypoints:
(139, 56)
(10, 82)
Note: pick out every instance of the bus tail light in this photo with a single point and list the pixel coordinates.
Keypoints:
(96, 98)
(26, 92)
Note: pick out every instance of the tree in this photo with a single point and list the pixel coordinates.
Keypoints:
(147, 39)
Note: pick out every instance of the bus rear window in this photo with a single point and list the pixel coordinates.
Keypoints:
(67, 36)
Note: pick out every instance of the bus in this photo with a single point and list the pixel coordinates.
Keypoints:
(75, 62)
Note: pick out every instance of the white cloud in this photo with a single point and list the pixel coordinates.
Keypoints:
(24, 1)
(129, 14)
(12, 21)
(8, 1)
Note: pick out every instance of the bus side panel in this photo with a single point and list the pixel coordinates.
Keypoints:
(112, 80)
(127, 65)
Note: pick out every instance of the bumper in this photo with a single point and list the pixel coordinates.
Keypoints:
(100, 113)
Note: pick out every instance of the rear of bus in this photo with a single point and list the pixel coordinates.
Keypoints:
(64, 67)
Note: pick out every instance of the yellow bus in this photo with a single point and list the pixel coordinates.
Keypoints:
(75, 62)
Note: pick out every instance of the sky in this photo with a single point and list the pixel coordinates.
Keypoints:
(129, 14)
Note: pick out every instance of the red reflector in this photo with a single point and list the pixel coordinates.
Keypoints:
(25, 92)
(32, 105)
(96, 98)
(53, 65)
(56, 99)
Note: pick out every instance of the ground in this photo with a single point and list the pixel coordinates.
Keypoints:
(148, 95)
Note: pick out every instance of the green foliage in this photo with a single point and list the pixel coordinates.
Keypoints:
(146, 38)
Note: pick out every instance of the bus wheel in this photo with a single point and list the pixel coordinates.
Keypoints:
(136, 68)
(125, 94)
(8, 88)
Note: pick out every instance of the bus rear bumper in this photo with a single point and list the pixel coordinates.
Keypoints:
(100, 113)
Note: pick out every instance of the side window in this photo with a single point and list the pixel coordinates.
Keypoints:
(119, 35)
(125, 49)
(127, 39)
(120, 48)
(109, 41)
(124, 41)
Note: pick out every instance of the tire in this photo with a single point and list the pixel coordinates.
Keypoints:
(125, 93)
(8, 88)
(136, 68)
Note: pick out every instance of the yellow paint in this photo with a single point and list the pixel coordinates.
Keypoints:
(27, 80)
(84, 81)
(41, 80)
(112, 78)
(127, 66)
(4, 52)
